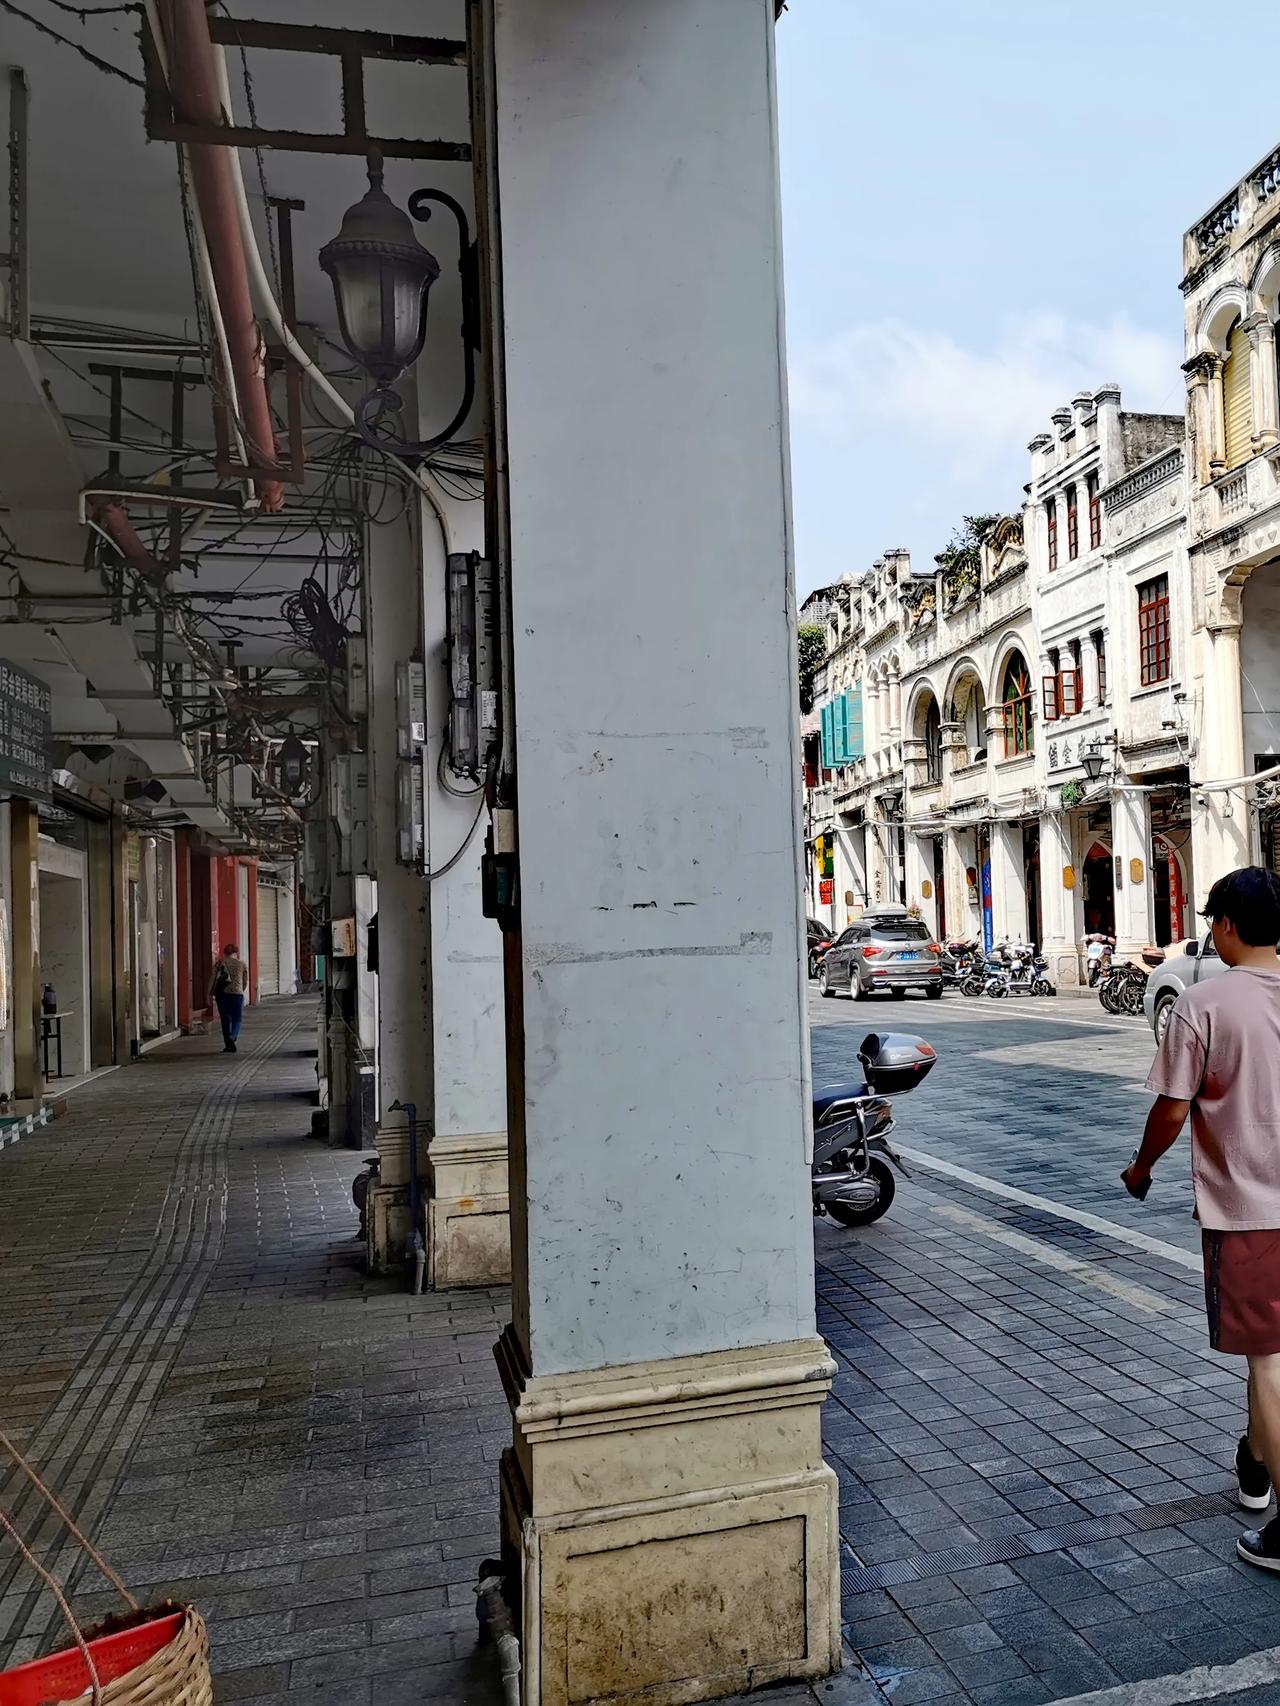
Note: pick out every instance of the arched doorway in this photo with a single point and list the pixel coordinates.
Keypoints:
(1169, 892)
(1099, 894)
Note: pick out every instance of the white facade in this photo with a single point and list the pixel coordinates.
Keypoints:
(1232, 300)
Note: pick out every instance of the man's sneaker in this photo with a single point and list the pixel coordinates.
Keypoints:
(1255, 1482)
(1261, 1546)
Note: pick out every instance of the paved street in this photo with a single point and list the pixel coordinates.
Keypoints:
(1032, 1439)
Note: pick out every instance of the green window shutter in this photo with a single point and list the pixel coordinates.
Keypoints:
(838, 714)
(853, 730)
(828, 759)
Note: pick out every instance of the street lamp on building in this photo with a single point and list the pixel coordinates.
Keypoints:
(1092, 761)
(382, 277)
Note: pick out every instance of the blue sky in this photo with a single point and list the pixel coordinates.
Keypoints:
(984, 205)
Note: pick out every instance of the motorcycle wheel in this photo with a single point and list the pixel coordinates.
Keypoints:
(883, 1176)
(998, 991)
(1107, 994)
(971, 986)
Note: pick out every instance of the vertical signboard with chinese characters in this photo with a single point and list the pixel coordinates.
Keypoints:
(24, 735)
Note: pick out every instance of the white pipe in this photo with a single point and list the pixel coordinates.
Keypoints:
(1237, 781)
(501, 1627)
(261, 287)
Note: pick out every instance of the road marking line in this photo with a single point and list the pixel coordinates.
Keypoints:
(1136, 1296)
(1116, 1028)
(1095, 1223)
(1207, 1682)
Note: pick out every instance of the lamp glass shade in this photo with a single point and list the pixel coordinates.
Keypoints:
(381, 276)
(1091, 763)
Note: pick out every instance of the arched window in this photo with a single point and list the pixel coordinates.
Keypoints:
(1237, 411)
(933, 742)
(1015, 695)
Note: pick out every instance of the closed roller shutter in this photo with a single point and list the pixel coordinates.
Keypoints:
(268, 941)
(1236, 401)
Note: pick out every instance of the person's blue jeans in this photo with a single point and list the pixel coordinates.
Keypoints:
(230, 1011)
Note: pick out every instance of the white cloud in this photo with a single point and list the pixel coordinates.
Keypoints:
(972, 407)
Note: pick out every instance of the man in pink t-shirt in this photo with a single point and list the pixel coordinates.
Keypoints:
(1220, 1063)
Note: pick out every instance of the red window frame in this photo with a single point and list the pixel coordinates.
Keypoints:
(1095, 512)
(1073, 525)
(1018, 736)
(1051, 512)
(1049, 688)
(1155, 659)
(1068, 692)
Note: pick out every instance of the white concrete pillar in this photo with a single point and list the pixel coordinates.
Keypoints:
(895, 706)
(1088, 671)
(1220, 837)
(919, 872)
(873, 716)
(663, 1365)
(1008, 883)
(441, 1042)
(1058, 900)
(1266, 416)
(1215, 417)
(852, 844)
(964, 912)
(1131, 848)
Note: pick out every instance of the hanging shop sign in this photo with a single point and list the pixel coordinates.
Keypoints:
(24, 735)
(826, 890)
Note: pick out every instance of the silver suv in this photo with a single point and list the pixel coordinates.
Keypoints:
(1197, 962)
(886, 950)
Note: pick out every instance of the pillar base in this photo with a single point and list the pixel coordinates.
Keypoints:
(1064, 964)
(671, 1526)
(386, 1230)
(468, 1215)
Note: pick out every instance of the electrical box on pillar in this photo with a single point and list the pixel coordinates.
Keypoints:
(349, 810)
(411, 739)
(473, 664)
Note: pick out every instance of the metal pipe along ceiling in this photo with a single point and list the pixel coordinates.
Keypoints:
(193, 81)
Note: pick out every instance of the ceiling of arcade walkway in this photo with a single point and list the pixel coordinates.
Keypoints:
(112, 262)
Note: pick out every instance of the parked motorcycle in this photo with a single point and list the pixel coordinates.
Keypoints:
(958, 960)
(1098, 950)
(1020, 971)
(852, 1178)
(1123, 989)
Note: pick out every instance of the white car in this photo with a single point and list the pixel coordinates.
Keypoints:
(1197, 961)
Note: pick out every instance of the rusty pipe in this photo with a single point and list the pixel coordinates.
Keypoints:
(111, 516)
(193, 84)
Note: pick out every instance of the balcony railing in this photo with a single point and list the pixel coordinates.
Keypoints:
(1218, 224)
(1233, 494)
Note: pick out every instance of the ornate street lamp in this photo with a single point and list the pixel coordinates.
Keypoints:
(382, 277)
(1091, 762)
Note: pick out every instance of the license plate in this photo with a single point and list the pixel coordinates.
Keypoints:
(910, 956)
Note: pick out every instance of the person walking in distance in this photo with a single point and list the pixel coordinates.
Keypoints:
(228, 987)
(1218, 1063)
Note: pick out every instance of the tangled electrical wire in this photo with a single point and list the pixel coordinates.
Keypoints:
(311, 616)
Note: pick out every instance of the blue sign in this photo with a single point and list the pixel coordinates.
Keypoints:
(988, 926)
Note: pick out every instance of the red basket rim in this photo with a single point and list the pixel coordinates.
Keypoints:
(113, 1656)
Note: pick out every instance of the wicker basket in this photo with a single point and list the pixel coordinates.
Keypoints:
(156, 1656)
(163, 1661)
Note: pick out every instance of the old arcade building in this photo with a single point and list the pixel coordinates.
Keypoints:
(1231, 258)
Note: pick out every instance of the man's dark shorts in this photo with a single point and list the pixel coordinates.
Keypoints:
(1242, 1292)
